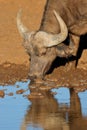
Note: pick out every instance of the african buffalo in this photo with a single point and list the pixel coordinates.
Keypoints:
(61, 18)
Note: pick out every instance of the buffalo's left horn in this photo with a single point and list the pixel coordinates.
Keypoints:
(24, 32)
(58, 38)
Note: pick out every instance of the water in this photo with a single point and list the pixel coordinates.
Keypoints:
(66, 110)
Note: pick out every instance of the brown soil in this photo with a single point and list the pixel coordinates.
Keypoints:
(76, 78)
(2, 94)
(14, 63)
(10, 73)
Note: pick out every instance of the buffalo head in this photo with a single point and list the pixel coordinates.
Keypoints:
(41, 46)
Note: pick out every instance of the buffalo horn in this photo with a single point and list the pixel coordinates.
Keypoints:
(58, 38)
(24, 32)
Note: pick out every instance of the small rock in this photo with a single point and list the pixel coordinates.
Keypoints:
(17, 86)
(2, 93)
(43, 87)
(10, 94)
(6, 65)
(53, 93)
(20, 91)
(35, 95)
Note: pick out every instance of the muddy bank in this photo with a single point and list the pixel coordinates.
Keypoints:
(10, 73)
(60, 76)
(76, 78)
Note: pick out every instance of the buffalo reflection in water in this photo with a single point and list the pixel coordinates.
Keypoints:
(46, 114)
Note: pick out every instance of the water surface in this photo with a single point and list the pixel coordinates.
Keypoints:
(66, 110)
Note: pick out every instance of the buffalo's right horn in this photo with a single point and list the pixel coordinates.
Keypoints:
(56, 39)
(24, 31)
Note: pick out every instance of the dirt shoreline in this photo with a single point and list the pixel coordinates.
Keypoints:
(10, 73)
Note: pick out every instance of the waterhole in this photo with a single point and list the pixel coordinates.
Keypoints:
(59, 109)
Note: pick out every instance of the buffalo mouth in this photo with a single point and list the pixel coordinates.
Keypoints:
(40, 73)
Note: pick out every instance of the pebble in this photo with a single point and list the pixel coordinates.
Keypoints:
(20, 91)
(2, 93)
(35, 95)
(10, 94)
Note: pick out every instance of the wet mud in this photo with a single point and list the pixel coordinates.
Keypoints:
(61, 76)
(71, 78)
(10, 73)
